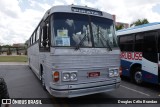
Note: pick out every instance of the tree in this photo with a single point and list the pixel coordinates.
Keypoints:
(8, 47)
(26, 43)
(119, 27)
(140, 22)
(9, 51)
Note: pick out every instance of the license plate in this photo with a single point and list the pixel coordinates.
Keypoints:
(93, 74)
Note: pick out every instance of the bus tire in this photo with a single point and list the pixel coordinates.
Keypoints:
(42, 79)
(137, 76)
(29, 64)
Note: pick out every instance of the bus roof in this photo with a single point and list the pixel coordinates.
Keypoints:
(140, 28)
(77, 9)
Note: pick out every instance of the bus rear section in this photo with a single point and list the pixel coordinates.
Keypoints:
(140, 53)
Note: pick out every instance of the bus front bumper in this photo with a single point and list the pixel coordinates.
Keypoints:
(84, 91)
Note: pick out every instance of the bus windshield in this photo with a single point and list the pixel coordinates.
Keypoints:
(74, 29)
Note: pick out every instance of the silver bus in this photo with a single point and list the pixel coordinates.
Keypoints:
(74, 51)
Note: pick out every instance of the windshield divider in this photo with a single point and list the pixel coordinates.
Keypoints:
(91, 31)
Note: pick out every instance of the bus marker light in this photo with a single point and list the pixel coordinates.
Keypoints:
(56, 76)
(120, 71)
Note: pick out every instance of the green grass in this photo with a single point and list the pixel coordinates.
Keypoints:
(13, 58)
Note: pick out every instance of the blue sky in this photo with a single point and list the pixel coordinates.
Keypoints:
(18, 18)
(156, 8)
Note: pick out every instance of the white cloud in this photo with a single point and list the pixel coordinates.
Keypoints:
(16, 25)
(10, 8)
(44, 6)
(127, 10)
(69, 2)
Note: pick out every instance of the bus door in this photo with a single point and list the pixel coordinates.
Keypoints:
(159, 57)
(150, 58)
(159, 67)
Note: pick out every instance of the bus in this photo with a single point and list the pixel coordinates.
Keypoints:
(74, 51)
(140, 48)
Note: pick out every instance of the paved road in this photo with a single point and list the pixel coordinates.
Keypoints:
(22, 83)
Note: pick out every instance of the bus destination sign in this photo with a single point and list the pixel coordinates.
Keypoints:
(87, 11)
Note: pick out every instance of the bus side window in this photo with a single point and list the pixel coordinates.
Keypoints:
(139, 42)
(159, 43)
(31, 40)
(45, 37)
(126, 43)
(150, 47)
(150, 42)
(38, 33)
(121, 43)
(41, 37)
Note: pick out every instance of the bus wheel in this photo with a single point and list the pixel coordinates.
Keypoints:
(43, 81)
(138, 76)
(29, 64)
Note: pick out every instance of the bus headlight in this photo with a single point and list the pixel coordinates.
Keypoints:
(113, 72)
(73, 76)
(66, 76)
(69, 76)
(116, 73)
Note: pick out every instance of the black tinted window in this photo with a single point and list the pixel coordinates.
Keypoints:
(150, 42)
(150, 47)
(127, 43)
(139, 42)
(159, 42)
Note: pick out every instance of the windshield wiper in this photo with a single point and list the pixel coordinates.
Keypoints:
(80, 43)
(110, 49)
(102, 37)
